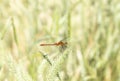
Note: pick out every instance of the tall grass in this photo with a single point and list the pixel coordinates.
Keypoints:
(91, 29)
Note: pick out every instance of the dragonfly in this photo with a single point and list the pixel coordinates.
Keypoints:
(62, 45)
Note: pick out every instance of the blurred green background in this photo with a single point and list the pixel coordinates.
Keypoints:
(92, 29)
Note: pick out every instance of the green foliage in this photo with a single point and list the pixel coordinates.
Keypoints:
(91, 29)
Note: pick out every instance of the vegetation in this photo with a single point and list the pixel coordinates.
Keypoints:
(91, 29)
